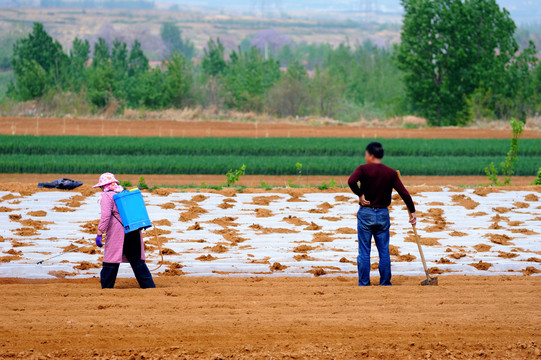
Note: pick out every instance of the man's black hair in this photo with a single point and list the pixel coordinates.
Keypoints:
(376, 149)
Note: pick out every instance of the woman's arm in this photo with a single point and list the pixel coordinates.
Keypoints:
(106, 203)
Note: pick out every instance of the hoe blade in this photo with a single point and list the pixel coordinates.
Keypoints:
(430, 281)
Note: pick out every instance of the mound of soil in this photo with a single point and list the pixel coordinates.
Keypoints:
(263, 213)
(457, 234)
(484, 266)
(277, 267)
(331, 218)
(219, 249)
(85, 265)
(444, 261)
(163, 222)
(192, 213)
(323, 237)
(63, 209)
(264, 200)
(304, 257)
(60, 274)
(168, 205)
(174, 269)
(25, 231)
(406, 258)
(195, 226)
(166, 251)
(225, 205)
(303, 248)
(15, 217)
(199, 198)
(206, 258)
(500, 239)
(267, 230)
(344, 260)
(529, 271)
(317, 271)
(6, 259)
(506, 255)
(426, 241)
(482, 248)
(346, 230)
(225, 221)
(465, 201)
(435, 271)
(91, 227)
(74, 201)
(36, 224)
(230, 235)
(393, 250)
(313, 226)
(294, 221)
(39, 213)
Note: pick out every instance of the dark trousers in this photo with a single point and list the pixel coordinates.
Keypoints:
(132, 250)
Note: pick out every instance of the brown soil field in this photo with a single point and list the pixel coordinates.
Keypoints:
(495, 317)
(253, 180)
(170, 128)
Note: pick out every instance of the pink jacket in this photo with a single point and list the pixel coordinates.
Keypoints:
(114, 239)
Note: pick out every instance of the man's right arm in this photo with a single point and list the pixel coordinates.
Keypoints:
(354, 180)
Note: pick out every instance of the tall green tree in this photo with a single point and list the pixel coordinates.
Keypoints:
(247, 78)
(78, 57)
(37, 55)
(178, 81)
(137, 61)
(172, 37)
(214, 59)
(289, 96)
(448, 49)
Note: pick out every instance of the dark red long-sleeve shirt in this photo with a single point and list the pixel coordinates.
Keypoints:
(377, 184)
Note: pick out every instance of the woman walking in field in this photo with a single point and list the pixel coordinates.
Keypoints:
(119, 247)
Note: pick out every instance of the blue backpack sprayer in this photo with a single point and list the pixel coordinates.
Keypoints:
(134, 215)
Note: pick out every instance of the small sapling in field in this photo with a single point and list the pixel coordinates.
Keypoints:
(142, 184)
(264, 185)
(233, 176)
(538, 180)
(299, 170)
(507, 167)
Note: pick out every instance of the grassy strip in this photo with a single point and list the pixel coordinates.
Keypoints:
(82, 145)
(256, 165)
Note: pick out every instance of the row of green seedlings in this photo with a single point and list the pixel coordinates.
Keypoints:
(232, 177)
(291, 147)
(275, 165)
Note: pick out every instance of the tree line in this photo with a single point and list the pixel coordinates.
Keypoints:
(457, 61)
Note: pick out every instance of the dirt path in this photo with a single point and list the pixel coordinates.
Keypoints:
(215, 318)
(253, 180)
(98, 127)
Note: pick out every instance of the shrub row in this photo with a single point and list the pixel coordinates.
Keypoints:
(257, 165)
(81, 145)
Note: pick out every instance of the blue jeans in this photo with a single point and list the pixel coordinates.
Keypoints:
(373, 222)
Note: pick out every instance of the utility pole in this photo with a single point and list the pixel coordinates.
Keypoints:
(368, 10)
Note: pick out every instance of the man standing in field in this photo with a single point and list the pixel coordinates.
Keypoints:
(377, 183)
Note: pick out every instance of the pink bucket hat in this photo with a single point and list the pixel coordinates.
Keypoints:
(105, 179)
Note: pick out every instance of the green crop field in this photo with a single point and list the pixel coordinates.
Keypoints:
(268, 156)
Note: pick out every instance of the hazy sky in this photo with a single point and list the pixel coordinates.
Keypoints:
(528, 11)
